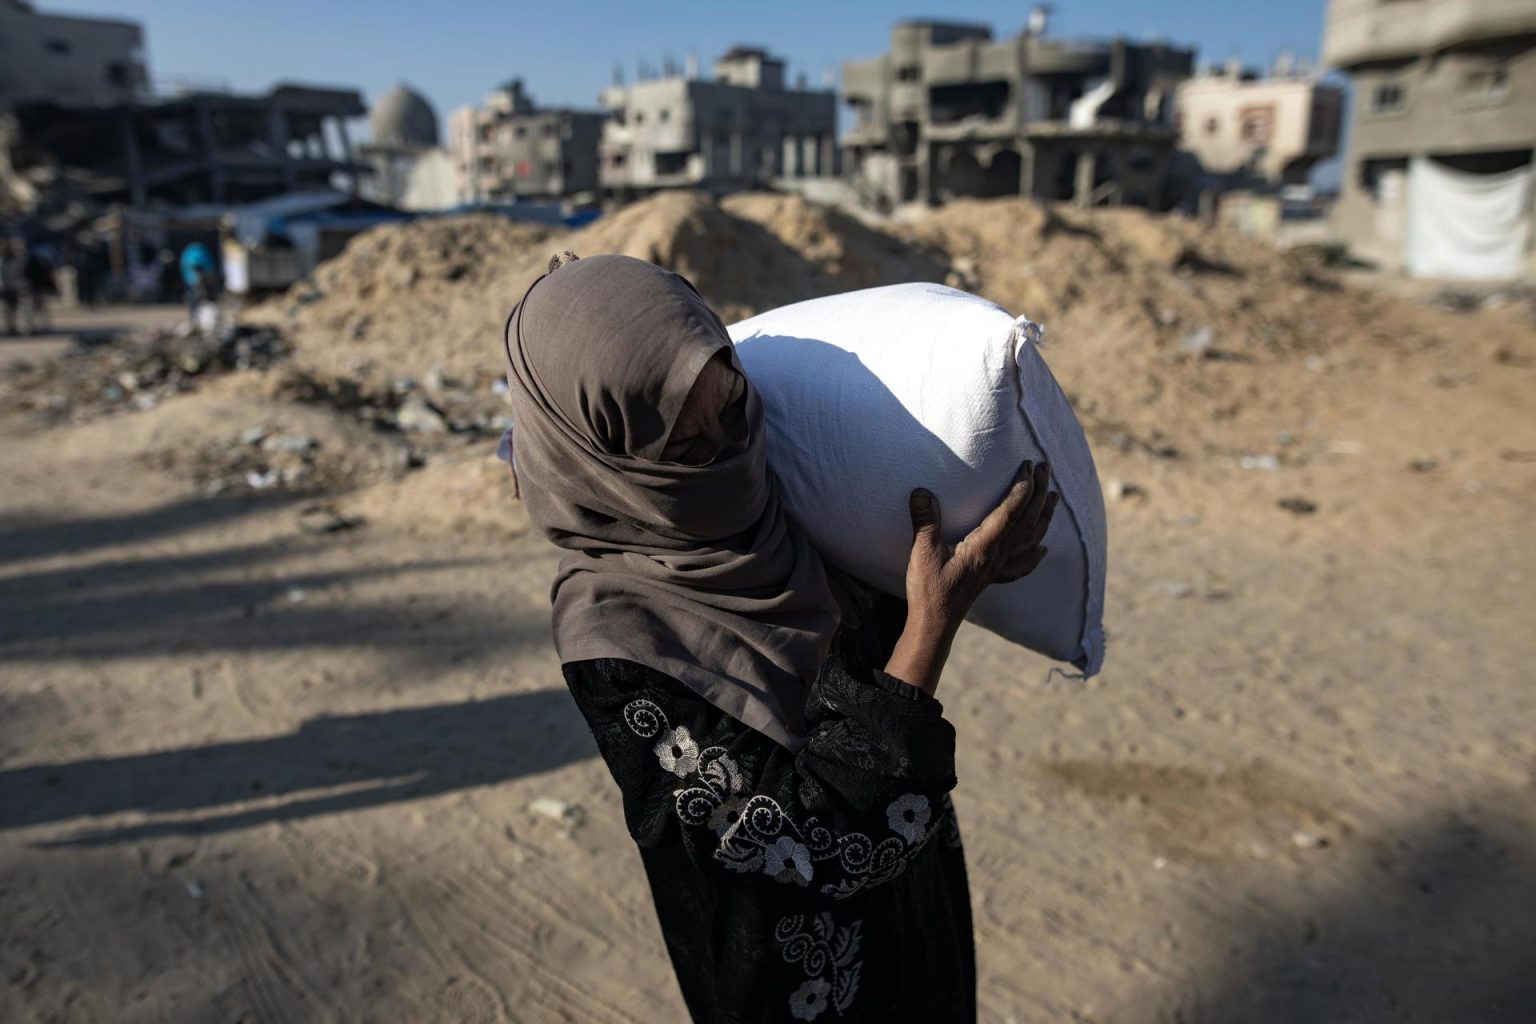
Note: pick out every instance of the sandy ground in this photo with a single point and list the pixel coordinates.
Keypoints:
(95, 322)
(253, 774)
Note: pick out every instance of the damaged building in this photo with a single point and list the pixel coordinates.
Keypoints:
(510, 149)
(81, 125)
(198, 147)
(952, 112)
(745, 128)
(1440, 178)
(68, 59)
(1260, 132)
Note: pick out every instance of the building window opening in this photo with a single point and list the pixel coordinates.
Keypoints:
(1212, 126)
(908, 73)
(1489, 85)
(1387, 98)
(671, 163)
(949, 104)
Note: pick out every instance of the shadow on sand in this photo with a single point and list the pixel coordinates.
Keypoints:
(329, 764)
(1444, 930)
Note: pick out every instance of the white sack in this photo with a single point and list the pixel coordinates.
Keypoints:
(872, 393)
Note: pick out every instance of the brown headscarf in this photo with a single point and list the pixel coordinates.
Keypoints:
(695, 571)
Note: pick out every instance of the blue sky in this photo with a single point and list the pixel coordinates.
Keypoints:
(456, 50)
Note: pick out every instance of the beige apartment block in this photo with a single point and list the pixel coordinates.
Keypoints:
(509, 148)
(744, 128)
(1255, 131)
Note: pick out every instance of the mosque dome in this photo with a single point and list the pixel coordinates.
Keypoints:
(403, 117)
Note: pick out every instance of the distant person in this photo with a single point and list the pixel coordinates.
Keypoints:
(13, 277)
(200, 276)
(170, 285)
(785, 768)
(39, 290)
(89, 261)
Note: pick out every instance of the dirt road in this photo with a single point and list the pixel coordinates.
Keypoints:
(249, 773)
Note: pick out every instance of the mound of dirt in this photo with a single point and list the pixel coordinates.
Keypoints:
(402, 299)
(1172, 338)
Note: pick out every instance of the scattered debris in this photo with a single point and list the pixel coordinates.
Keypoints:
(1459, 300)
(1198, 342)
(569, 815)
(1121, 490)
(1424, 464)
(133, 372)
(1308, 840)
(417, 415)
(290, 444)
(1265, 462)
(321, 519)
(1298, 506)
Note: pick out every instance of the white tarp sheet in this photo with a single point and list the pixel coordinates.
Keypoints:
(1466, 225)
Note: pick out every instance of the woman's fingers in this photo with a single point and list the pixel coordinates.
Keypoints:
(1040, 490)
(927, 519)
(1000, 521)
(1022, 565)
(1042, 525)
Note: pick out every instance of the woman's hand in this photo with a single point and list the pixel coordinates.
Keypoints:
(943, 581)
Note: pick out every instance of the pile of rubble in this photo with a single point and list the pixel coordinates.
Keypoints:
(1173, 339)
(100, 376)
(404, 298)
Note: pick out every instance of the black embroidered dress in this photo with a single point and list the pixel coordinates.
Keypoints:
(826, 885)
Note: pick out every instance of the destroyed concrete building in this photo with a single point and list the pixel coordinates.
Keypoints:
(1257, 132)
(743, 129)
(510, 148)
(952, 112)
(82, 127)
(67, 59)
(1439, 175)
(198, 147)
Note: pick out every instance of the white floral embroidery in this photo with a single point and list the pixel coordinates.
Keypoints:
(677, 752)
(908, 816)
(755, 832)
(787, 861)
(809, 1000)
(826, 953)
(725, 815)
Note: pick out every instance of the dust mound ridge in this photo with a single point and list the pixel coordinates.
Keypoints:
(402, 299)
(1170, 337)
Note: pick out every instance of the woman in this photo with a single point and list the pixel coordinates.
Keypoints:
(784, 765)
